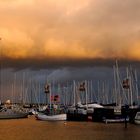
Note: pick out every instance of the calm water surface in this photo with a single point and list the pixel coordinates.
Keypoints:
(31, 129)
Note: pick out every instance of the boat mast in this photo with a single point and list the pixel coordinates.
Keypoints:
(118, 84)
(74, 90)
(86, 90)
(136, 84)
(50, 97)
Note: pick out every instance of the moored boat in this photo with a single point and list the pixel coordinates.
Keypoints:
(117, 120)
(12, 111)
(137, 118)
(12, 114)
(44, 117)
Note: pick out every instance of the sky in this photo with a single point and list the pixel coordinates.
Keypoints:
(52, 33)
(69, 39)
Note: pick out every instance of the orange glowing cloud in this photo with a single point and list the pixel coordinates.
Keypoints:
(134, 52)
(70, 29)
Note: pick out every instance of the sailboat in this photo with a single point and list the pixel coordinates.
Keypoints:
(9, 111)
(44, 117)
(51, 113)
(12, 114)
(137, 118)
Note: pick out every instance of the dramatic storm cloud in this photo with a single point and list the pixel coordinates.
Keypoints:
(53, 33)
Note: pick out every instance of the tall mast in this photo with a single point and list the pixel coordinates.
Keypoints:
(136, 84)
(74, 94)
(118, 84)
(86, 90)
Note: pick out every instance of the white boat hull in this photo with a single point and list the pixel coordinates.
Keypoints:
(137, 121)
(13, 116)
(115, 120)
(137, 118)
(59, 117)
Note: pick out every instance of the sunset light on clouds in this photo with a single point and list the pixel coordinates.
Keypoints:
(70, 29)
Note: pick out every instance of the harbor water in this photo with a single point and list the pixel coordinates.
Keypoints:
(32, 129)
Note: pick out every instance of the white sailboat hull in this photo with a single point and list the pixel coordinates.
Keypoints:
(115, 120)
(137, 121)
(137, 118)
(13, 115)
(59, 117)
